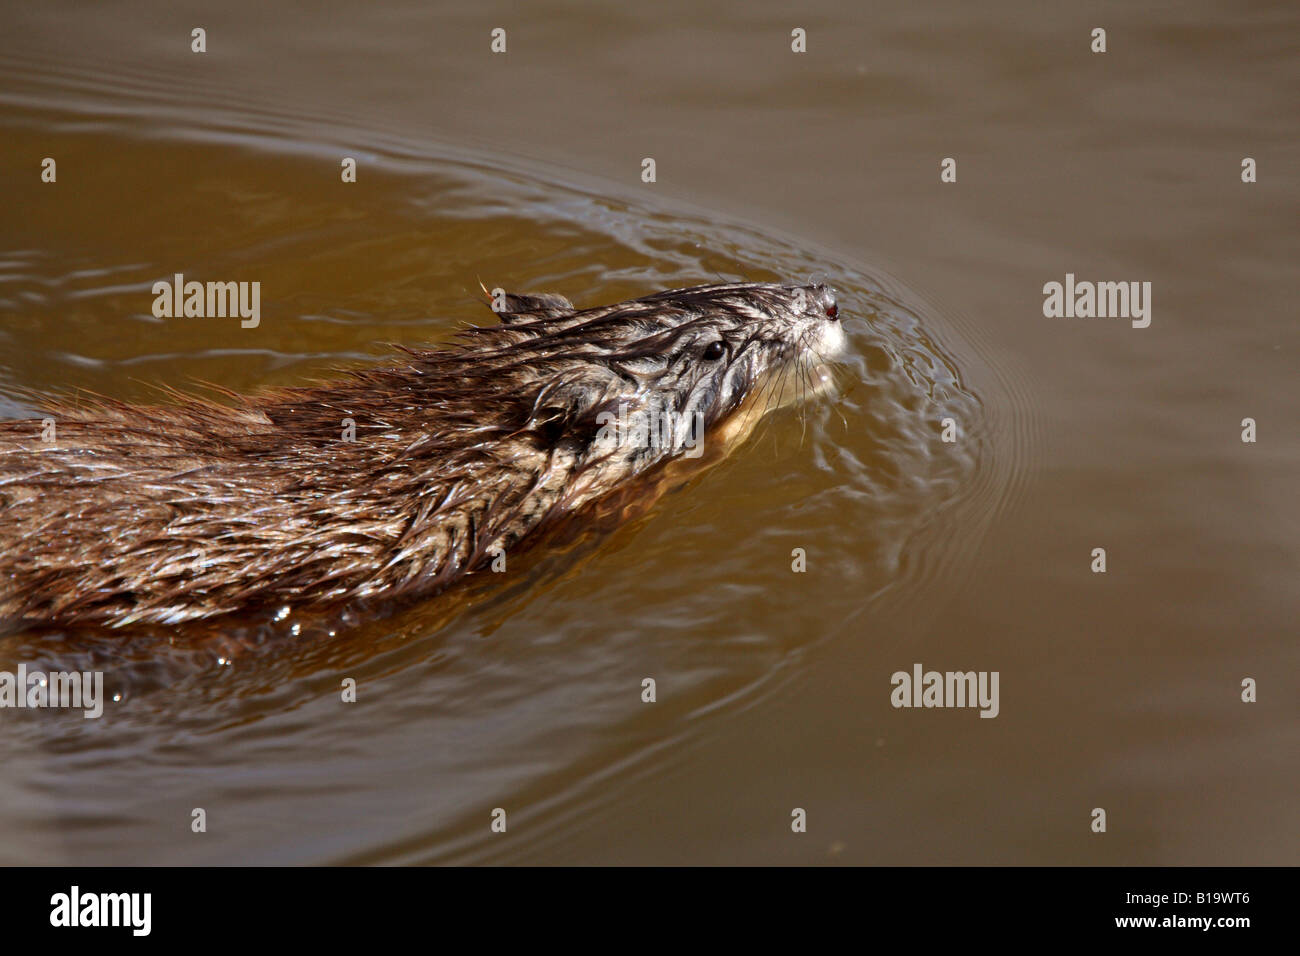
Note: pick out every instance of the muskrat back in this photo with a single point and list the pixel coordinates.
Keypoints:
(131, 514)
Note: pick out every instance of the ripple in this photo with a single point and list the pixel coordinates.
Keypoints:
(526, 693)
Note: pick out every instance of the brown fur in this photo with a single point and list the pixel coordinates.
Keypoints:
(187, 511)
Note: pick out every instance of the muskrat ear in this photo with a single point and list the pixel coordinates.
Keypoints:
(552, 423)
(534, 305)
(575, 425)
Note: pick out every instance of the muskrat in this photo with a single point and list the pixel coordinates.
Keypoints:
(163, 514)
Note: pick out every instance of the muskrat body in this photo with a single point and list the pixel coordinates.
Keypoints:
(193, 510)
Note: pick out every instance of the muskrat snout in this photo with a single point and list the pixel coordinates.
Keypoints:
(830, 340)
(824, 299)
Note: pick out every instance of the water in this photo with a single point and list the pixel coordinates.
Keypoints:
(1119, 690)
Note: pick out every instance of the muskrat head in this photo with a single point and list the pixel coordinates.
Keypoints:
(652, 378)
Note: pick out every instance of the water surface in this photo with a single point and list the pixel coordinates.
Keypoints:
(1118, 690)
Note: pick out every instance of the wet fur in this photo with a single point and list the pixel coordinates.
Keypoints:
(172, 513)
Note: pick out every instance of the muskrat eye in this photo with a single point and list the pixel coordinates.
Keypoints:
(833, 311)
(714, 351)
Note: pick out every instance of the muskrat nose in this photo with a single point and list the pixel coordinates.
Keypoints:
(825, 300)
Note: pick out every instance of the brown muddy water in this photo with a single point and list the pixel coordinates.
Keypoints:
(1119, 690)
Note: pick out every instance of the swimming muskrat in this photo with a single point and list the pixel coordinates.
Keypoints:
(163, 514)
